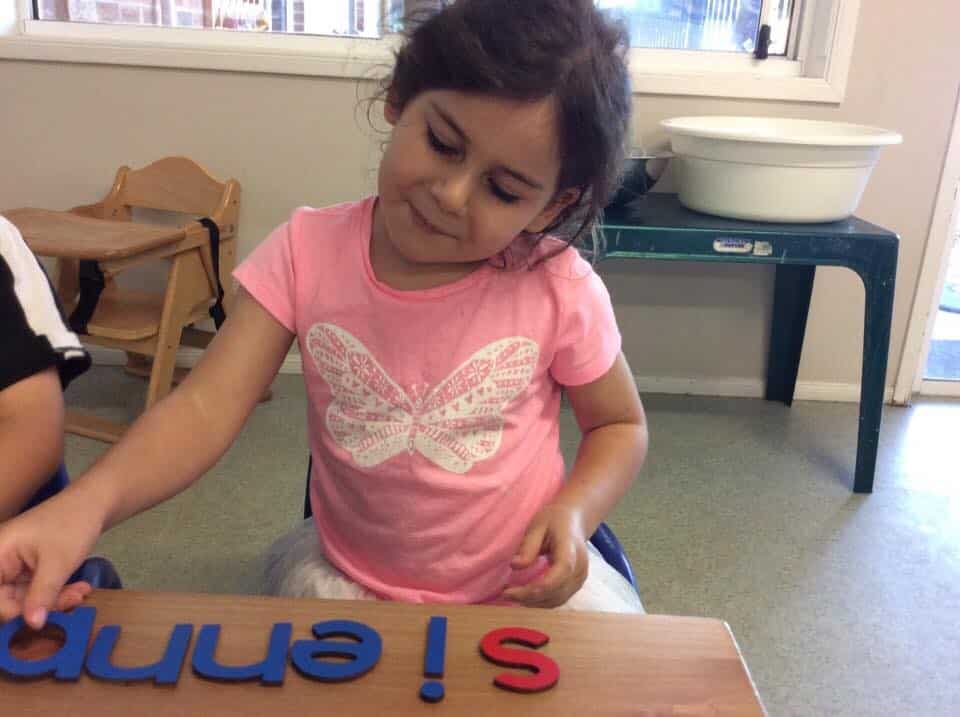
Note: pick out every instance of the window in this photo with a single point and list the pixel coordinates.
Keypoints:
(712, 25)
(680, 47)
(353, 18)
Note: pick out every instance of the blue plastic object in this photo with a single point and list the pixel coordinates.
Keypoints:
(362, 655)
(432, 691)
(165, 671)
(436, 647)
(67, 663)
(433, 660)
(99, 572)
(58, 481)
(609, 547)
(269, 671)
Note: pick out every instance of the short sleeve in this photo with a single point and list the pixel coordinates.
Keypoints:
(268, 276)
(588, 340)
(35, 336)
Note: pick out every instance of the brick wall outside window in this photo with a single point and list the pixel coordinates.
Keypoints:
(278, 15)
(176, 13)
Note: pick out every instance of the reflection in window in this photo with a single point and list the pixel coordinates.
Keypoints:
(717, 25)
(359, 18)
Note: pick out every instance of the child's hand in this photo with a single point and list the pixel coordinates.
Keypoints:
(557, 532)
(14, 594)
(38, 552)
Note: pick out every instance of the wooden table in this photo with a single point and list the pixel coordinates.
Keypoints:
(66, 235)
(609, 664)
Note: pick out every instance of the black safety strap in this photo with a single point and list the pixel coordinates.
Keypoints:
(92, 283)
(91, 286)
(217, 312)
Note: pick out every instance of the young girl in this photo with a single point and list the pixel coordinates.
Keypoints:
(438, 323)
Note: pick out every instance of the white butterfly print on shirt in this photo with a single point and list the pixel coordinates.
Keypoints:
(456, 424)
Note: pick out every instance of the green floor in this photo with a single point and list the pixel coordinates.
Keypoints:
(842, 604)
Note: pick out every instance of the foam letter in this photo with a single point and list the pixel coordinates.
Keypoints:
(270, 670)
(67, 663)
(546, 672)
(363, 654)
(164, 672)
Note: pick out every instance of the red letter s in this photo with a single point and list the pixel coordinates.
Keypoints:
(545, 671)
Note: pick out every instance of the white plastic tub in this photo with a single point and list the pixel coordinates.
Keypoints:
(772, 169)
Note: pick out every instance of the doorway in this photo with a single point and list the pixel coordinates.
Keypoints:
(943, 358)
(930, 364)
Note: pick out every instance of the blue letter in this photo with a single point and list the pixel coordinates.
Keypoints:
(67, 662)
(364, 654)
(164, 672)
(270, 671)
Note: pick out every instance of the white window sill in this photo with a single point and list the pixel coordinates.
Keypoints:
(197, 49)
(730, 75)
(663, 72)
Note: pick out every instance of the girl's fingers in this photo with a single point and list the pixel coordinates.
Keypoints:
(11, 603)
(43, 592)
(73, 595)
(530, 547)
(555, 586)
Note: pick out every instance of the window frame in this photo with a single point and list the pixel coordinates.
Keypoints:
(823, 45)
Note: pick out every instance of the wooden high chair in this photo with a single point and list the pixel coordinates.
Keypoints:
(95, 243)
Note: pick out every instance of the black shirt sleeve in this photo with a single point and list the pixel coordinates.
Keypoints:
(33, 334)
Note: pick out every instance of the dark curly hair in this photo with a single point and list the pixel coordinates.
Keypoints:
(532, 50)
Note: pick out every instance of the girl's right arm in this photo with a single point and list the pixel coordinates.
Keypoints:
(164, 452)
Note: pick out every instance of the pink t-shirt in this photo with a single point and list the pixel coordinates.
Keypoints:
(433, 415)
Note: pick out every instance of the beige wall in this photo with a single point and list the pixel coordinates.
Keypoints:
(295, 140)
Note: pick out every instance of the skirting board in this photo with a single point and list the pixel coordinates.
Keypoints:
(752, 388)
(727, 387)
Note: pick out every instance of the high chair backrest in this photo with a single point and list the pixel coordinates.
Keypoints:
(175, 184)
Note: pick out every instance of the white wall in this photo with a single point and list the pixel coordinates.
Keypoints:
(296, 140)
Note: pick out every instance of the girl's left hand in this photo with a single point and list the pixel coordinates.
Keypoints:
(557, 532)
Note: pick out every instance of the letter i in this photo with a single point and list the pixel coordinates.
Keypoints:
(431, 690)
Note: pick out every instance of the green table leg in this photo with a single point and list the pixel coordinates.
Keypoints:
(879, 281)
(791, 304)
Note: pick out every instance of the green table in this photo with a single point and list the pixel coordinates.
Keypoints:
(657, 226)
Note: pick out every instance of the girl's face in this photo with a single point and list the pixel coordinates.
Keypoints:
(465, 174)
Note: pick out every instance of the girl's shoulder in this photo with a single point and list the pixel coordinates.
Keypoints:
(557, 261)
(564, 274)
(336, 221)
